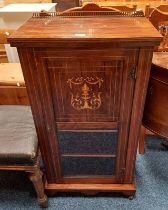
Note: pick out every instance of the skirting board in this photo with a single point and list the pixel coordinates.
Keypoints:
(127, 189)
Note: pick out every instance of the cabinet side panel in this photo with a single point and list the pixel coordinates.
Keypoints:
(41, 111)
(143, 72)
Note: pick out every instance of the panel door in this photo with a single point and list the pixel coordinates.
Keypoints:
(91, 93)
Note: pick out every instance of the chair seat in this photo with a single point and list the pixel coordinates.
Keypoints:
(18, 140)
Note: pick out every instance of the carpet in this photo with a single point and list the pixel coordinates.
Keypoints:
(17, 192)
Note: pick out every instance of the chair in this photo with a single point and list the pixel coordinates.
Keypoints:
(18, 141)
(19, 147)
(156, 106)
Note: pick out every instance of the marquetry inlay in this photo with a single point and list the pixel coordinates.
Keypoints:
(86, 97)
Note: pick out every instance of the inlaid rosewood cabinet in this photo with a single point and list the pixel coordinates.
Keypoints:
(86, 79)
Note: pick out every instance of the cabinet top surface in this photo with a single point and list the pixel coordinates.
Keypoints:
(86, 29)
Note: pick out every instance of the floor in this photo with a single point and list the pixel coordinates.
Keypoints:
(151, 175)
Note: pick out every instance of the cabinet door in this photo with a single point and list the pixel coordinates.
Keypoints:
(91, 94)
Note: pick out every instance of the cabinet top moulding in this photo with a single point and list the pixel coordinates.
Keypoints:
(57, 31)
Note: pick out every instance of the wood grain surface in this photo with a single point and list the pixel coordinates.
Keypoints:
(56, 29)
(80, 74)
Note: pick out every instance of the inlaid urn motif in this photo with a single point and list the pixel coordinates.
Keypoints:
(85, 92)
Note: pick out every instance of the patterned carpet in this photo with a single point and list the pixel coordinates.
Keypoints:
(17, 192)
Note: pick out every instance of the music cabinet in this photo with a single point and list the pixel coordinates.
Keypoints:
(87, 79)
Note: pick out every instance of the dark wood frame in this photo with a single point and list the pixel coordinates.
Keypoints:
(35, 175)
(38, 51)
(51, 157)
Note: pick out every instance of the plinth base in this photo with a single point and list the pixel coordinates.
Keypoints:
(127, 189)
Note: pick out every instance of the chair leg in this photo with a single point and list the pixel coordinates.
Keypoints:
(36, 178)
(142, 141)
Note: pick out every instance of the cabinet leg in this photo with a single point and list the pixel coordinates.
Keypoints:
(129, 194)
(36, 178)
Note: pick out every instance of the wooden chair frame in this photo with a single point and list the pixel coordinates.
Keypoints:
(35, 176)
(11, 94)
